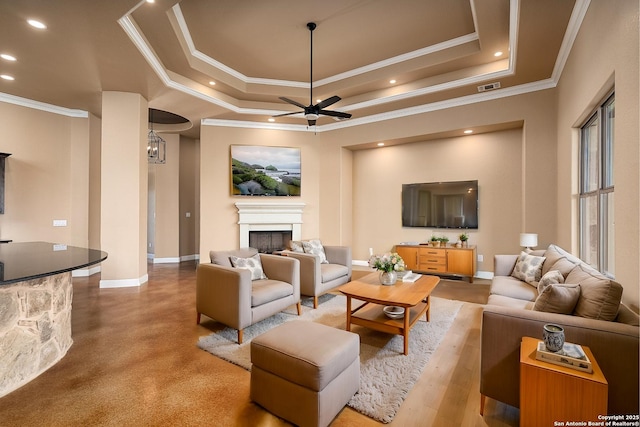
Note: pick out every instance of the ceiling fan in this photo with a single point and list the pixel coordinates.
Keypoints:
(313, 112)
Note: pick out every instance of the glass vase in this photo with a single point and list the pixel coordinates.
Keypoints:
(388, 278)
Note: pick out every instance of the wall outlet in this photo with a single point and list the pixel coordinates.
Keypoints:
(480, 258)
(188, 214)
(59, 222)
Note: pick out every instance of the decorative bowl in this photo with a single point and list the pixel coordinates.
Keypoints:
(393, 312)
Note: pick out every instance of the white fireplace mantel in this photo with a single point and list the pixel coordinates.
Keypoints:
(269, 216)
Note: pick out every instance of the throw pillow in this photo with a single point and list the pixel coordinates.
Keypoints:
(528, 268)
(252, 264)
(552, 277)
(296, 246)
(558, 298)
(315, 247)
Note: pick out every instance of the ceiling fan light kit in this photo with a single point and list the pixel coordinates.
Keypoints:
(313, 112)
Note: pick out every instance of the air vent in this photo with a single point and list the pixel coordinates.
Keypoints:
(490, 86)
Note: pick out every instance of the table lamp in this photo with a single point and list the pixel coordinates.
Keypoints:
(528, 240)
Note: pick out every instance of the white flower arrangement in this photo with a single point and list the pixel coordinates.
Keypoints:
(388, 262)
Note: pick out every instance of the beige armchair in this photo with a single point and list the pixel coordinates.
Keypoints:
(317, 278)
(229, 295)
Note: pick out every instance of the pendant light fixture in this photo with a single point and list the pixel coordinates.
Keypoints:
(156, 146)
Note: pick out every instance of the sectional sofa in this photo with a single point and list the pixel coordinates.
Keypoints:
(553, 286)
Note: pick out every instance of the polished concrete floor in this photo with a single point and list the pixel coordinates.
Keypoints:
(134, 361)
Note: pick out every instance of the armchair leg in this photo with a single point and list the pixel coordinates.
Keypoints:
(197, 318)
(240, 336)
(315, 301)
(299, 307)
(482, 399)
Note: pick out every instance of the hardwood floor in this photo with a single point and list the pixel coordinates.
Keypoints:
(134, 361)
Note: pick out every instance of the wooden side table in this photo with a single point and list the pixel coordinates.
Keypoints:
(550, 393)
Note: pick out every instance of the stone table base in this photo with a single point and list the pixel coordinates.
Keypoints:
(35, 328)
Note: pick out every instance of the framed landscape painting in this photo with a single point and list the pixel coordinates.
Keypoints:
(265, 171)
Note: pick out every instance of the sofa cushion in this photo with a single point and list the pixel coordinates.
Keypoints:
(503, 301)
(552, 277)
(264, 291)
(296, 246)
(253, 264)
(222, 257)
(511, 287)
(528, 268)
(557, 258)
(315, 247)
(329, 272)
(558, 298)
(599, 297)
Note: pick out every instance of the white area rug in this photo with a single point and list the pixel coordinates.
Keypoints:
(386, 374)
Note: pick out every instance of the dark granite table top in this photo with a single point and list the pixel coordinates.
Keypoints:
(31, 260)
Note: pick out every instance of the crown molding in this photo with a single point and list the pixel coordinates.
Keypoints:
(185, 34)
(396, 114)
(42, 106)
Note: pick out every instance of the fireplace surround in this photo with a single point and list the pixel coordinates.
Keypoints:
(269, 216)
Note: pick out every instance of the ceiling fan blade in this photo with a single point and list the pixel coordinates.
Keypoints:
(328, 101)
(291, 101)
(287, 114)
(339, 114)
(312, 122)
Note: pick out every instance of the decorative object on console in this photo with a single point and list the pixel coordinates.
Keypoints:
(265, 171)
(464, 239)
(571, 356)
(553, 337)
(528, 241)
(388, 264)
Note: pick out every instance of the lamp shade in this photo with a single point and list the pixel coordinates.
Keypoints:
(528, 240)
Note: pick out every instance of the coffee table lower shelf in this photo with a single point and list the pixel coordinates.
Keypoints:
(370, 315)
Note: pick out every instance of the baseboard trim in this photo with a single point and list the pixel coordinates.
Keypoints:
(85, 272)
(168, 260)
(124, 283)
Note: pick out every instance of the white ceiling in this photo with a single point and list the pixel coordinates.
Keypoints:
(438, 51)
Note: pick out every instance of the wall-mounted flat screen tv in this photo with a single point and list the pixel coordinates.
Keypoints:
(440, 204)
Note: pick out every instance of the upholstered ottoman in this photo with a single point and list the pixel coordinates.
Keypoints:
(305, 372)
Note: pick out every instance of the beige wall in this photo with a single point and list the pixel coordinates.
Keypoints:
(522, 162)
(493, 159)
(45, 177)
(218, 214)
(189, 197)
(95, 171)
(166, 209)
(604, 56)
(124, 186)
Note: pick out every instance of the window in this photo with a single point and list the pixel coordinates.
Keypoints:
(597, 236)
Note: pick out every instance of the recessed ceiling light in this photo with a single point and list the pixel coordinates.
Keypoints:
(7, 57)
(6, 77)
(212, 83)
(36, 24)
(380, 144)
(151, 1)
(468, 131)
(392, 81)
(497, 54)
(271, 119)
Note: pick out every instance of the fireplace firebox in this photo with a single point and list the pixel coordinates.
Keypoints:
(269, 241)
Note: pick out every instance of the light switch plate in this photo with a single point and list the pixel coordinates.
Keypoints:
(59, 222)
